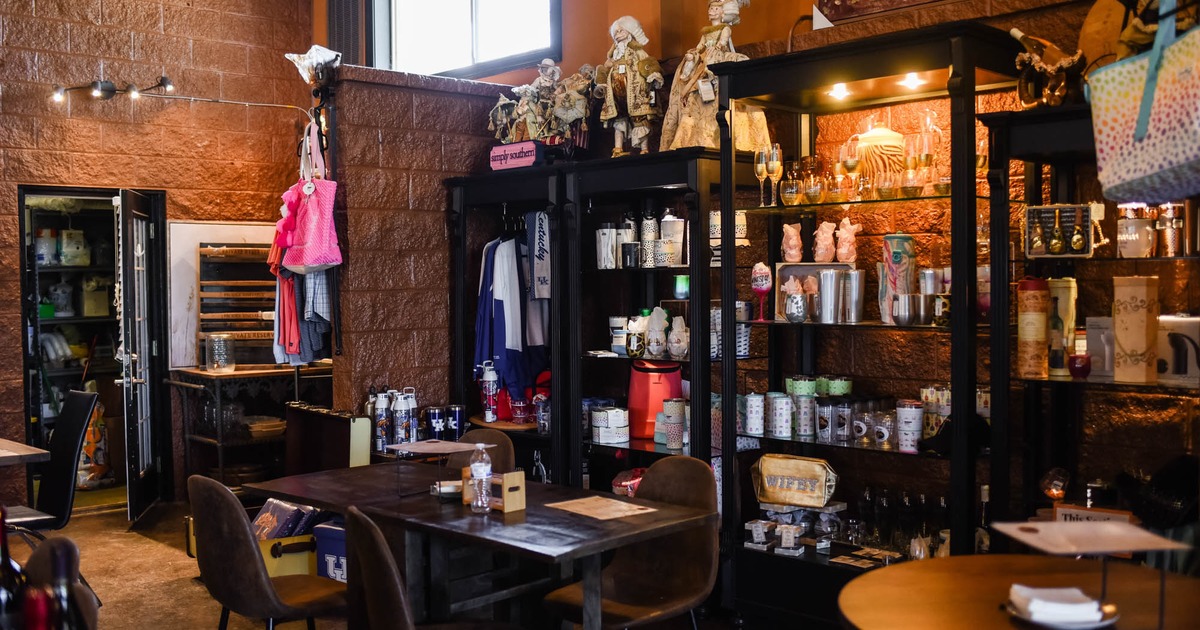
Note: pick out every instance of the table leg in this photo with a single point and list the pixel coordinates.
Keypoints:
(439, 579)
(356, 598)
(591, 592)
(414, 564)
(1162, 592)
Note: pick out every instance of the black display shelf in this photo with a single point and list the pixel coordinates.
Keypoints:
(50, 321)
(204, 439)
(641, 445)
(76, 269)
(1110, 386)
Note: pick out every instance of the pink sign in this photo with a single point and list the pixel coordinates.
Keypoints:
(516, 155)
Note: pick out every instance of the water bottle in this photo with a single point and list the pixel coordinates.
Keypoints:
(481, 480)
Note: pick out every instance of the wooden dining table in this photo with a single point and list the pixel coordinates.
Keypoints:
(970, 592)
(13, 453)
(397, 497)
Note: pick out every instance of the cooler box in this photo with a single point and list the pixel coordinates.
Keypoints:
(650, 383)
(331, 549)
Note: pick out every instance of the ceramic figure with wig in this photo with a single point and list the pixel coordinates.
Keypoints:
(627, 84)
(691, 118)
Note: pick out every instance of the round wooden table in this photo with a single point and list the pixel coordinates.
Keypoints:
(969, 592)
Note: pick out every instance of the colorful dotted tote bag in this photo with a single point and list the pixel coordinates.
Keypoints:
(1146, 118)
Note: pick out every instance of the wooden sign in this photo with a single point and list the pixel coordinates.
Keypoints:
(516, 155)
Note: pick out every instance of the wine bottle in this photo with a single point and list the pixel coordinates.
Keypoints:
(12, 581)
(1078, 238)
(1057, 243)
(1058, 337)
(64, 608)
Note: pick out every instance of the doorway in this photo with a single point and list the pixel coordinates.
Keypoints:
(94, 320)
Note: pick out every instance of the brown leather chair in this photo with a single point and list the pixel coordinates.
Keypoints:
(504, 459)
(662, 577)
(232, 568)
(383, 586)
(39, 570)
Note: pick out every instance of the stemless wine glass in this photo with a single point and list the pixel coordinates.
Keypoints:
(774, 169)
(760, 171)
(814, 188)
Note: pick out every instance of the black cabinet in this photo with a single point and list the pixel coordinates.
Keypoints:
(813, 93)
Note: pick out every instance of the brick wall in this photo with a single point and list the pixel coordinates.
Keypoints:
(216, 162)
(398, 137)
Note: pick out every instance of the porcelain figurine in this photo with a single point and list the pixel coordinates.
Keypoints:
(691, 118)
(627, 84)
(572, 105)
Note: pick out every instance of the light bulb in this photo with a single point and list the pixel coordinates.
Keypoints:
(839, 91)
(911, 81)
(96, 91)
(59, 94)
(133, 92)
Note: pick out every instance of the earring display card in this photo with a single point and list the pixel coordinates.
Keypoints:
(1058, 231)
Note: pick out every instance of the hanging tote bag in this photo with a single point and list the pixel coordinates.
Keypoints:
(314, 239)
(1146, 119)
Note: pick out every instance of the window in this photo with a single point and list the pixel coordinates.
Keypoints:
(474, 38)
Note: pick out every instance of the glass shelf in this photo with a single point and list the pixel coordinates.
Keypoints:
(668, 360)
(642, 445)
(842, 446)
(679, 269)
(1109, 259)
(75, 269)
(790, 210)
(1093, 383)
(211, 441)
(873, 324)
(75, 320)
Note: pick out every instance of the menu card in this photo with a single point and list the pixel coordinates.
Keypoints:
(602, 508)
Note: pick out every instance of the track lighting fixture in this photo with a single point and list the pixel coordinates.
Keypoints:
(103, 90)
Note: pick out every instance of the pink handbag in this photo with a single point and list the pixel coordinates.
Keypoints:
(314, 244)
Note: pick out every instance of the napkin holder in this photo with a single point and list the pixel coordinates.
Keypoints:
(508, 490)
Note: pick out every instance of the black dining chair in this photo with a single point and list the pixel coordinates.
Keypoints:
(503, 456)
(663, 577)
(231, 565)
(56, 491)
(383, 587)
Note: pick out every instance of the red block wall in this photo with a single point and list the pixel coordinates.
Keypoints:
(216, 162)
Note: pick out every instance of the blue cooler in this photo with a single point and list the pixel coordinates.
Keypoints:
(331, 549)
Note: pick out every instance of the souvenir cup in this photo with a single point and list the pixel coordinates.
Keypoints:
(755, 404)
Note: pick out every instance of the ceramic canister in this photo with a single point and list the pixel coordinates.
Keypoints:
(1135, 329)
(840, 385)
(781, 417)
(610, 425)
(805, 414)
(755, 405)
(803, 385)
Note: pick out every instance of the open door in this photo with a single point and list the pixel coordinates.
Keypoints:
(141, 297)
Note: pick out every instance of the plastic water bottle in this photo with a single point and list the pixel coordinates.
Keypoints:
(481, 480)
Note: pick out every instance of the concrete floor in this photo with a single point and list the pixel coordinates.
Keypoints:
(145, 579)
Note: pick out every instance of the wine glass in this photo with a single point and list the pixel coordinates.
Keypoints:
(774, 169)
(849, 158)
(760, 171)
(1054, 484)
(760, 283)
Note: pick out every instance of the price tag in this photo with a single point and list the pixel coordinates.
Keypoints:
(756, 533)
(309, 187)
(621, 69)
(708, 94)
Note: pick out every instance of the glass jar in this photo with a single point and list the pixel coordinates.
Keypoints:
(220, 353)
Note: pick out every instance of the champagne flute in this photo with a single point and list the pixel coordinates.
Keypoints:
(849, 158)
(760, 171)
(774, 169)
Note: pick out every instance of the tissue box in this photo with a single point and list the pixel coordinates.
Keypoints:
(1178, 351)
(96, 303)
(1099, 347)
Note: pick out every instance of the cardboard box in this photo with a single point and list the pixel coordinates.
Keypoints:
(331, 549)
(97, 304)
(1179, 351)
(787, 272)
